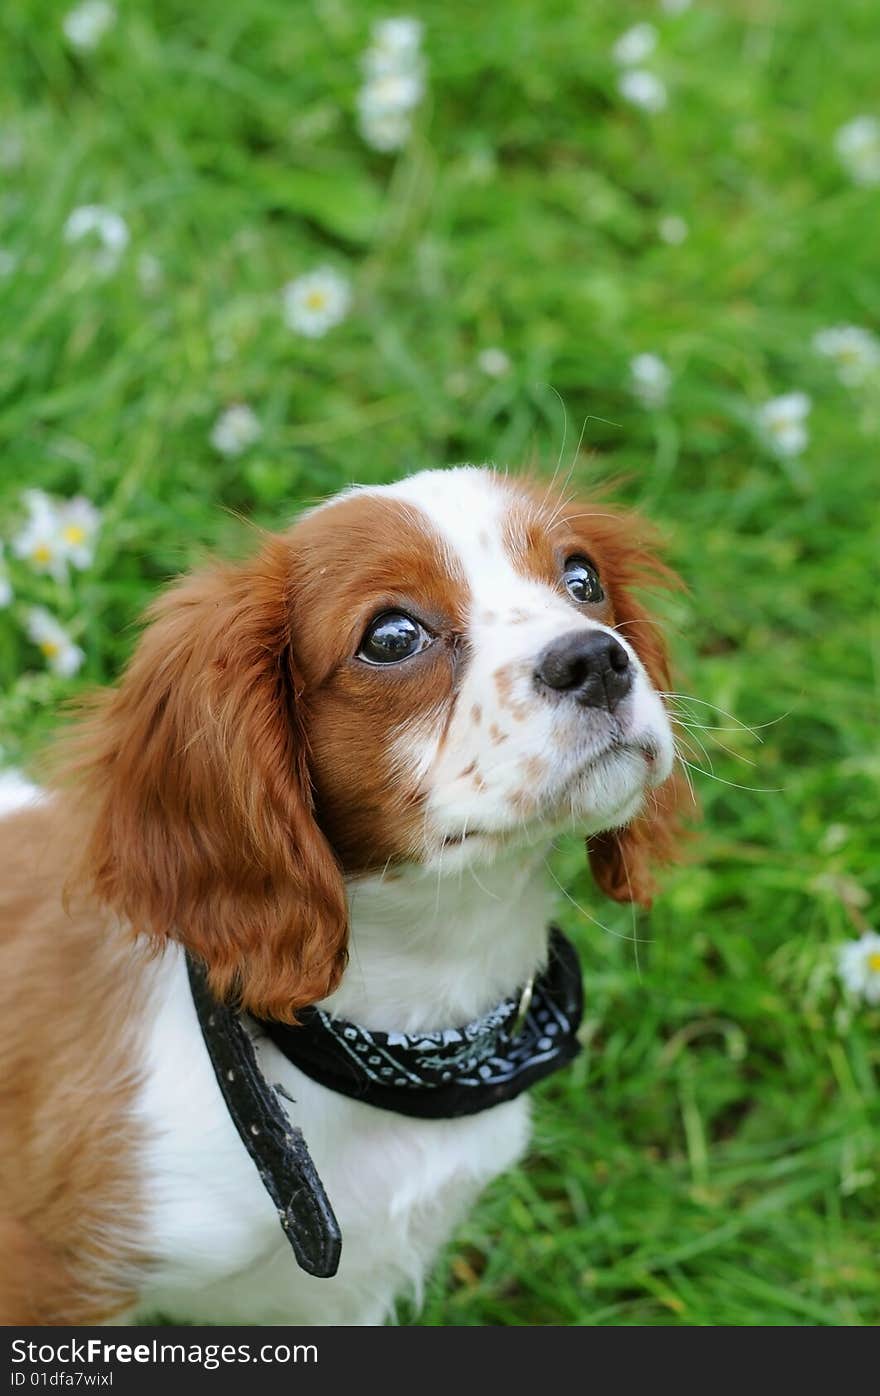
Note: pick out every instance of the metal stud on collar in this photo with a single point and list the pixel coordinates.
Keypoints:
(522, 1011)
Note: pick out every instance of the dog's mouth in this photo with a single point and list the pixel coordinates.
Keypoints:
(456, 840)
(644, 747)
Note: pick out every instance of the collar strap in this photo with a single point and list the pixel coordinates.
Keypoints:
(430, 1075)
(276, 1146)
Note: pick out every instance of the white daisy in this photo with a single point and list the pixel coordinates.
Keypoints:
(672, 229)
(635, 45)
(389, 130)
(235, 430)
(395, 83)
(782, 421)
(315, 302)
(5, 584)
(78, 523)
(858, 149)
(56, 534)
(40, 542)
(396, 44)
(858, 964)
(103, 225)
(650, 379)
(392, 92)
(493, 362)
(642, 89)
(61, 654)
(854, 351)
(86, 25)
(401, 35)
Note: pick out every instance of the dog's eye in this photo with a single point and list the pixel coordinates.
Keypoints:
(392, 637)
(581, 580)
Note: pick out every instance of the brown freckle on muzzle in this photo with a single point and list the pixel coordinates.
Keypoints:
(496, 734)
(468, 770)
(478, 782)
(477, 713)
(533, 767)
(504, 684)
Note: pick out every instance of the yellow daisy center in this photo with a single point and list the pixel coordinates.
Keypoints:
(316, 299)
(74, 533)
(42, 553)
(50, 648)
(874, 962)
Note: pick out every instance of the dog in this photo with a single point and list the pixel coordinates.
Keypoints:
(325, 784)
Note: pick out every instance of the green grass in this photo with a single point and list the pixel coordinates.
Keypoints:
(712, 1157)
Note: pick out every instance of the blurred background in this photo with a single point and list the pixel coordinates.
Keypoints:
(252, 253)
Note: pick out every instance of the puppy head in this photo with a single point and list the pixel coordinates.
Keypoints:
(481, 673)
(425, 673)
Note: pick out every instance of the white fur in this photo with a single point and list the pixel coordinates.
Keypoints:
(16, 792)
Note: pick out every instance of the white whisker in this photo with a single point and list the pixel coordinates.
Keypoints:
(704, 703)
(686, 772)
(691, 727)
(692, 738)
(752, 789)
(583, 911)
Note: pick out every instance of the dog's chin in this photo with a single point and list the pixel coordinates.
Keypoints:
(611, 790)
(608, 793)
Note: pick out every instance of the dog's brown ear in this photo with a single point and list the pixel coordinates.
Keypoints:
(622, 860)
(195, 775)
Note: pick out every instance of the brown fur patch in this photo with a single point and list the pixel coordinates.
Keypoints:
(504, 680)
(496, 734)
(195, 791)
(71, 996)
(533, 767)
(381, 555)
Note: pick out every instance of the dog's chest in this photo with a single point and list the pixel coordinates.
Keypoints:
(398, 1186)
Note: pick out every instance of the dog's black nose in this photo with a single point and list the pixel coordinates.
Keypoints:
(590, 665)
